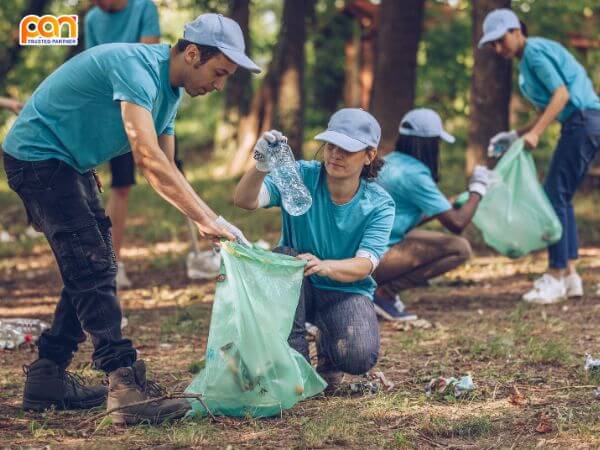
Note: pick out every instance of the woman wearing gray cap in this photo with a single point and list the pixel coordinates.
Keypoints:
(410, 176)
(555, 83)
(342, 237)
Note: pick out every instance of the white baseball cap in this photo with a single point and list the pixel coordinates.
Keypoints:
(424, 122)
(221, 32)
(352, 129)
(496, 24)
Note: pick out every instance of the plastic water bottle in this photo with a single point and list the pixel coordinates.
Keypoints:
(32, 327)
(295, 198)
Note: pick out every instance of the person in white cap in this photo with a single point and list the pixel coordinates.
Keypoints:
(559, 87)
(410, 176)
(342, 237)
(114, 98)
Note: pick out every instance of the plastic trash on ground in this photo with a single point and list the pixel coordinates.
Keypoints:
(446, 385)
(17, 331)
(515, 216)
(591, 364)
(250, 368)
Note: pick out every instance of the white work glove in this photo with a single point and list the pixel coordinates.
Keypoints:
(261, 153)
(239, 236)
(481, 180)
(504, 139)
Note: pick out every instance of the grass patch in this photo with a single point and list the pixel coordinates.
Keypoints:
(186, 321)
(547, 351)
(336, 428)
(470, 427)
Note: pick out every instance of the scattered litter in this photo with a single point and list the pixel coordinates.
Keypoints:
(597, 393)
(124, 322)
(5, 237)
(378, 375)
(33, 327)
(412, 324)
(591, 364)
(444, 385)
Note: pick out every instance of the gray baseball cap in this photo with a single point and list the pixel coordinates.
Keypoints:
(352, 129)
(424, 122)
(221, 32)
(496, 24)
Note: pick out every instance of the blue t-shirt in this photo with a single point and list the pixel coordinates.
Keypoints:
(137, 20)
(414, 191)
(74, 115)
(545, 66)
(331, 231)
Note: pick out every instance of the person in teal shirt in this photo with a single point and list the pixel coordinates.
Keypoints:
(410, 176)
(121, 21)
(342, 237)
(559, 87)
(102, 103)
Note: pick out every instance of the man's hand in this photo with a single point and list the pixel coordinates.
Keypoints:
(233, 230)
(316, 266)
(211, 230)
(531, 140)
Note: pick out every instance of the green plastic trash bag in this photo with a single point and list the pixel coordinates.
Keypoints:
(515, 216)
(250, 368)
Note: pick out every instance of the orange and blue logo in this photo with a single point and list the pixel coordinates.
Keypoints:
(49, 30)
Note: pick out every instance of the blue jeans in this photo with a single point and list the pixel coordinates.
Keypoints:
(66, 207)
(578, 144)
(348, 338)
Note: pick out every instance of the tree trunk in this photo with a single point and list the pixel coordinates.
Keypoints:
(238, 95)
(279, 101)
(290, 60)
(396, 64)
(10, 56)
(490, 90)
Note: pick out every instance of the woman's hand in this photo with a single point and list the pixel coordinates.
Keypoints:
(316, 266)
(531, 140)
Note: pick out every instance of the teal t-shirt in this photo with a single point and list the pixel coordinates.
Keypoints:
(138, 19)
(74, 115)
(545, 66)
(331, 231)
(414, 191)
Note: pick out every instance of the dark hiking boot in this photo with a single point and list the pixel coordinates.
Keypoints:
(128, 385)
(50, 385)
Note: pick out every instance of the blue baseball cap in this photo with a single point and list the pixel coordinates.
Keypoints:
(424, 122)
(496, 24)
(352, 129)
(221, 32)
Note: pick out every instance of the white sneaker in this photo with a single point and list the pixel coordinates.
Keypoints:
(546, 290)
(574, 285)
(203, 265)
(123, 282)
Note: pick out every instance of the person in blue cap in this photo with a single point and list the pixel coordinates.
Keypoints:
(342, 237)
(410, 176)
(105, 102)
(111, 21)
(558, 86)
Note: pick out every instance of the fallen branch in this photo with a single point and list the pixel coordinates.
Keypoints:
(145, 402)
(531, 388)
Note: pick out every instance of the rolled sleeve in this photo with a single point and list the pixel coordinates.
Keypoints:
(377, 232)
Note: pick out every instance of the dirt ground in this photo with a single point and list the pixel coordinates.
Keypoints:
(527, 363)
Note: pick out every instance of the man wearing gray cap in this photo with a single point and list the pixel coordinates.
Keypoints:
(49, 156)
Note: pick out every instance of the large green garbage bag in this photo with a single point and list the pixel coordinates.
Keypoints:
(515, 216)
(250, 368)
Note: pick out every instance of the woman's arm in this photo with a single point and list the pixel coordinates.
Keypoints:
(342, 270)
(559, 99)
(247, 190)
